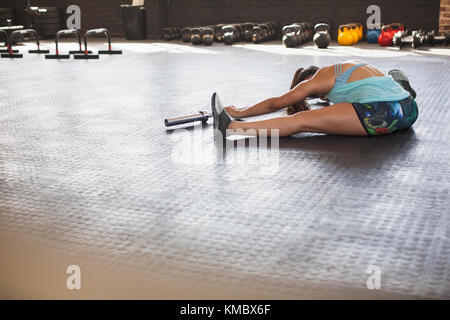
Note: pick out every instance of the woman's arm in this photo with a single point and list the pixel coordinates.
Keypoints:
(320, 84)
(266, 106)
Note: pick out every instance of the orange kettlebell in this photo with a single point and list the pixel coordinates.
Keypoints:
(355, 32)
(345, 36)
(360, 31)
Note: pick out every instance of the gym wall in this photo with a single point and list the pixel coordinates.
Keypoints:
(94, 13)
(99, 13)
(413, 13)
(19, 7)
(179, 13)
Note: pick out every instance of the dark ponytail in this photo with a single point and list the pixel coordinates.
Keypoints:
(299, 76)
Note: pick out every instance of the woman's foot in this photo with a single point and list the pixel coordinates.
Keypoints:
(221, 118)
(400, 77)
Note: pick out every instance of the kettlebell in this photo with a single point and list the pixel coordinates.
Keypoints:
(290, 35)
(355, 33)
(218, 33)
(322, 36)
(387, 33)
(360, 31)
(237, 32)
(207, 34)
(266, 33)
(257, 34)
(385, 38)
(186, 34)
(345, 36)
(167, 34)
(307, 33)
(418, 38)
(196, 37)
(229, 36)
(273, 29)
(372, 35)
(248, 31)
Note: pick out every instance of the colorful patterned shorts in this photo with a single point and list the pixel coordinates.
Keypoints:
(380, 118)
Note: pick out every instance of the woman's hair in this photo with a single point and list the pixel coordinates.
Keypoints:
(299, 76)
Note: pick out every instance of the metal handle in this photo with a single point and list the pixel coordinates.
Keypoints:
(3, 32)
(322, 27)
(16, 33)
(200, 116)
(60, 33)
(96, 31)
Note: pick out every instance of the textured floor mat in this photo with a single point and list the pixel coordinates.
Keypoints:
(87, 167)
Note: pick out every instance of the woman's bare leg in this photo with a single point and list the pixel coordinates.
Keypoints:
(338, 119)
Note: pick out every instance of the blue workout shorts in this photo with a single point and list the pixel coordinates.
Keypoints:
(380, 118)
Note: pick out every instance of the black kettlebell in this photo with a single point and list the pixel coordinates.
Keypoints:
(186, 34)
(247, 29)
(290, 35)
(171, 33)
(166, 34)
(207, 34)
(273, 29)
(229, 34)
(417, 39)
(196, 37)
(257, 34)
(430, 37)
(322, 36)
(238, 34)
(307, 32)
(265, 32)
(218, 33)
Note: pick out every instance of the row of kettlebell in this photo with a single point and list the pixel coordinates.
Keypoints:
(350, 34)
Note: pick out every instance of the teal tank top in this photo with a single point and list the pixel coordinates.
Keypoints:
(373, 89)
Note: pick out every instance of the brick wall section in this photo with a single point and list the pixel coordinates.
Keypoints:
(444, 17)
(107, 13)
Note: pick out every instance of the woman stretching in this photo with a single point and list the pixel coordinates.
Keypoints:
(365, 102)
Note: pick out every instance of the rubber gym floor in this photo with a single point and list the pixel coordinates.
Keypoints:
(90, 176)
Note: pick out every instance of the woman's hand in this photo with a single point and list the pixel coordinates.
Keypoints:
(233, 111)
